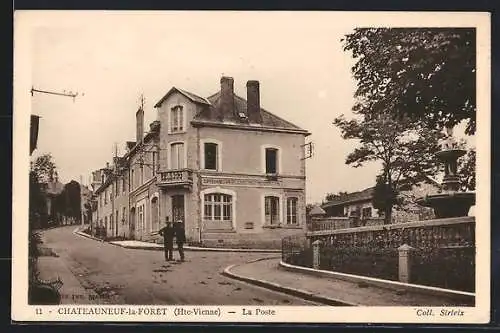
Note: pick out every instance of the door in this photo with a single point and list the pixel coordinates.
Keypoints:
(132, 223)
(177, 208)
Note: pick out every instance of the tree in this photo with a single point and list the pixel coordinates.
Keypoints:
(335, 196)
(467, 171)
(425, 73)
(405, 148)
(44, 168)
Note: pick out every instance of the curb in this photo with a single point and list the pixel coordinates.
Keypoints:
(449, 294)
(187, 248)
(82, 234)
(283, 289)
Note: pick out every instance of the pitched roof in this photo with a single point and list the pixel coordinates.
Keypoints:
(240, 106)
(193, 97)
(353, 197)
(317, 210)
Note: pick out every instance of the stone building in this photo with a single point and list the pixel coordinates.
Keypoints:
(231, 171)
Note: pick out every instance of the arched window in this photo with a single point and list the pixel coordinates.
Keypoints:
(177, 156)
(176, 119)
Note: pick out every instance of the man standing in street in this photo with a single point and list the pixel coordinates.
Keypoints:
(168, 240)
(180, 238)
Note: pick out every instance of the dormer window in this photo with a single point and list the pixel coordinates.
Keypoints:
(176, 119)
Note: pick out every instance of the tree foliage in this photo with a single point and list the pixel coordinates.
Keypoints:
(467, 171)
(425, 73)
(44, 168)
(335, 196)
(405, 148)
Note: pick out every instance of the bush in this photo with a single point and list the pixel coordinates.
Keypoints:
(367, 261)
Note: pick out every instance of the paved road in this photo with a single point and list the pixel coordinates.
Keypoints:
(127, 276)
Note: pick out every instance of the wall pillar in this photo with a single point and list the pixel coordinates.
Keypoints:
(316, 245)
(405, 263)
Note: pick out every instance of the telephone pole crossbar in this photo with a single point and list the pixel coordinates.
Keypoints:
(69, 94)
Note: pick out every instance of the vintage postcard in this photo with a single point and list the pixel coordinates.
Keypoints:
(299, 167)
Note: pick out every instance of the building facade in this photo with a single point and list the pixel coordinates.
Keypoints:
(231, 171)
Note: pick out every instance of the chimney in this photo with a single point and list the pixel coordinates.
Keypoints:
(139, 117)
(226, 97)
(253, 102)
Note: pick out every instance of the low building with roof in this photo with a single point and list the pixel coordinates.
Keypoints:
(359, 205)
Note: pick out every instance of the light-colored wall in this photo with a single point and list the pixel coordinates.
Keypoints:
(188, 137)
(351, 207)
(243, 150)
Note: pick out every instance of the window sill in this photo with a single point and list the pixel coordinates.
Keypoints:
(271, 176)
(292, 226)
(268, 226)
(177, 132)
(219, 230)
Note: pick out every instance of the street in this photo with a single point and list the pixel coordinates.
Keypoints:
(128, 276)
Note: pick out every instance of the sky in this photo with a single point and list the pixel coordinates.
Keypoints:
(112, 58)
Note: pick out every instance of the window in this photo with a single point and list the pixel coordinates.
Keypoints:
(366, 212)
(211, 154)
(116, 186)
(271, 210)
(291, 210)
(105, 196)
(176, 119)
(140, 216)
(271, 160)
(218, 207)
(132, 181)
(141, 175)
(106, 222)
(155, 162)
(124, 217)
(177, 156)
(124, 188)
(111, 222)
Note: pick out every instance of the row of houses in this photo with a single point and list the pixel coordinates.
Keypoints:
(231, 171)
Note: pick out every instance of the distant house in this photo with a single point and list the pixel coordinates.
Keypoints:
(52, 189)
(354, 204)
(359, 205)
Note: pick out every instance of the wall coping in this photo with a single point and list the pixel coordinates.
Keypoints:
(388, 284)
(416, 224)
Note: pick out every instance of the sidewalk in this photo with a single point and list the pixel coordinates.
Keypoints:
(139, 245)
(50, 268)
(330, 291)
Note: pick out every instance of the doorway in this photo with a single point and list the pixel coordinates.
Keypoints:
(132, 223)
(177, 208)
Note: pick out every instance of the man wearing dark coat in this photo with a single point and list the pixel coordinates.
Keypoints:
(168, 233)
(180, 238)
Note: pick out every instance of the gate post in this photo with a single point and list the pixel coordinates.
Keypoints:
(316, 253)
(404, 268)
